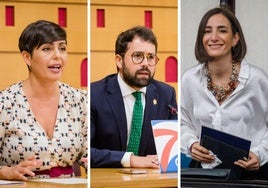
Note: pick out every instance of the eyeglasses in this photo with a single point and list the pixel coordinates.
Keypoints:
(138, 57)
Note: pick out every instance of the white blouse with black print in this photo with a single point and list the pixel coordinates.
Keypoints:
(21, 136)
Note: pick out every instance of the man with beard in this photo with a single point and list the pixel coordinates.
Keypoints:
(112, 103)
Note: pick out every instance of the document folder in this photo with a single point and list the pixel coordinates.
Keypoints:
(205, 173)
(227, 138)
(228, 148)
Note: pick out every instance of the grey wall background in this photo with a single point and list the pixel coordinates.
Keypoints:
(253, 17)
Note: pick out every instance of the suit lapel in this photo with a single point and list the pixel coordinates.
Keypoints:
(115, 100)
(152, 99)
(150, 113)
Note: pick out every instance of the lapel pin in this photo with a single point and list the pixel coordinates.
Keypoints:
(155, 102)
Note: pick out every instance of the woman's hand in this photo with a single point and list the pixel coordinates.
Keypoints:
(84, 160)
(20, 171)
(199, 153)
(252, 163)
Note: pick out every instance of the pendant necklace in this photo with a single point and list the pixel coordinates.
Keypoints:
(218, 91)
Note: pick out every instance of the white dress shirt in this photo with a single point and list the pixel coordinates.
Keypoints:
(129, 101)
(244, 113)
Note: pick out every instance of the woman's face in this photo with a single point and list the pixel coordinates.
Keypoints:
(47, 62)
(218, 37)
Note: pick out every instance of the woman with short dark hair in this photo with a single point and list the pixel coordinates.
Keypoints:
(43, 122)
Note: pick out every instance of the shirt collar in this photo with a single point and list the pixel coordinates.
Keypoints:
(126, 89)
(242, 77)
(244, 70)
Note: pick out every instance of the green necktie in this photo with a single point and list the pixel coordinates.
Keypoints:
(136, 125)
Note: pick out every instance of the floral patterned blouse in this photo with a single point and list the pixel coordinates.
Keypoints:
(22, 137)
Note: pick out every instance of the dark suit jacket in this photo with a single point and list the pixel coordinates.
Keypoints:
(109, 125)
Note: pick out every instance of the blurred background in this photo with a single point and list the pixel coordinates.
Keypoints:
(108, 18)
(17, 14)
(252, 16)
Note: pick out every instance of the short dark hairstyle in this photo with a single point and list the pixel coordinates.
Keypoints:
(127, 36)
(238, 52)
(39, 33)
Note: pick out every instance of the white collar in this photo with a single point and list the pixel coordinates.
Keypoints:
(125, 88)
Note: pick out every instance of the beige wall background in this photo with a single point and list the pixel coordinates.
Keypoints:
(123, 14)
(12, 65)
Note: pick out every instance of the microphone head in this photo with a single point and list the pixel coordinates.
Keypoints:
(172, 109)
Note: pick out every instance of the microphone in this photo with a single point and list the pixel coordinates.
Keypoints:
(172, 109)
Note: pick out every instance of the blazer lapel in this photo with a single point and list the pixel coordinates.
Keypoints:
(150, 113)
(152, 103)
(115, 100)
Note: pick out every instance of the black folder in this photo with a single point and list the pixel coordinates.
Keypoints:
(227, 147)
(205, 173)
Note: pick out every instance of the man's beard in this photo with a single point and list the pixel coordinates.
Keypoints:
(133, 80)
